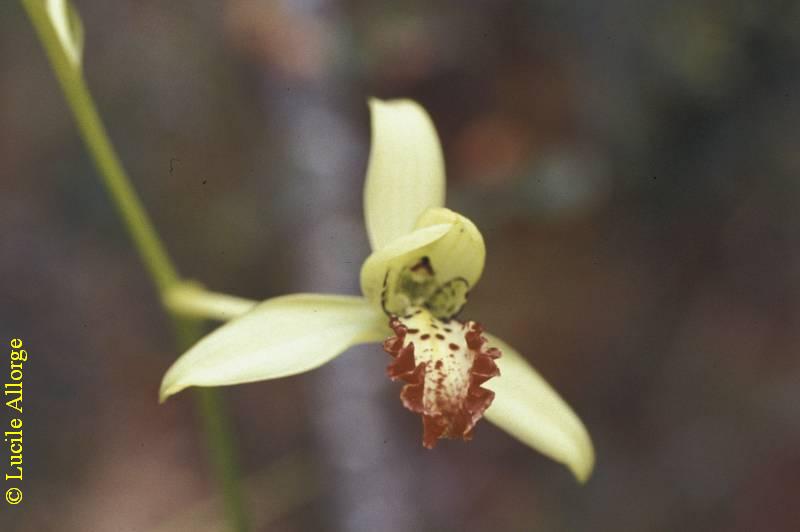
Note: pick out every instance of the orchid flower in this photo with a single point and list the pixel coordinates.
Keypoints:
(425, 259)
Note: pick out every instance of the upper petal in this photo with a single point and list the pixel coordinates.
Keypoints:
(529, 409)
(405, 174)
(444, 254)
(279, 337)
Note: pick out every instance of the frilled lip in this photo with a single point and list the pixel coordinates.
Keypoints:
(448, 411)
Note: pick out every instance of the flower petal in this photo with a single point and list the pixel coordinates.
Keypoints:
(529, 409)
(446, 243)
(405, 174)
(443, 364)
(279, 337)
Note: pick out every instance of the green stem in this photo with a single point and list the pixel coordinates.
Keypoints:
(218, 434)
(102, 152)
(148, 244)
(218, 429)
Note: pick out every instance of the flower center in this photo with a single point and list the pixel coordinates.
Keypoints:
(418, 286)
(443, 363)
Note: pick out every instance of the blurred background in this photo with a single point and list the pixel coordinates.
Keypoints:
(632, 166)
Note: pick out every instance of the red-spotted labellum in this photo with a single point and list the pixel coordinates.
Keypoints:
(443, 363)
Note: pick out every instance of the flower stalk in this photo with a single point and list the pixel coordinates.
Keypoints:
(58, 28)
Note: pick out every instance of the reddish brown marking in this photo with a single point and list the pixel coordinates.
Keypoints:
(484, 366)
(493, 352)
(425, 336)
(440, 336)
(393, 344)
(433, 428)
(397, 326)
(479, 399)
(473, 336)
(423, 264)
(411, 396)
(443, 420)
(403, 363)
(412, 331)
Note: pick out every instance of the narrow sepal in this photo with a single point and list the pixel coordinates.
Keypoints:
(279, 337)
(529, 409)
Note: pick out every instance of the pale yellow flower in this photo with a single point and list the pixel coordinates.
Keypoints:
(425, 260)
